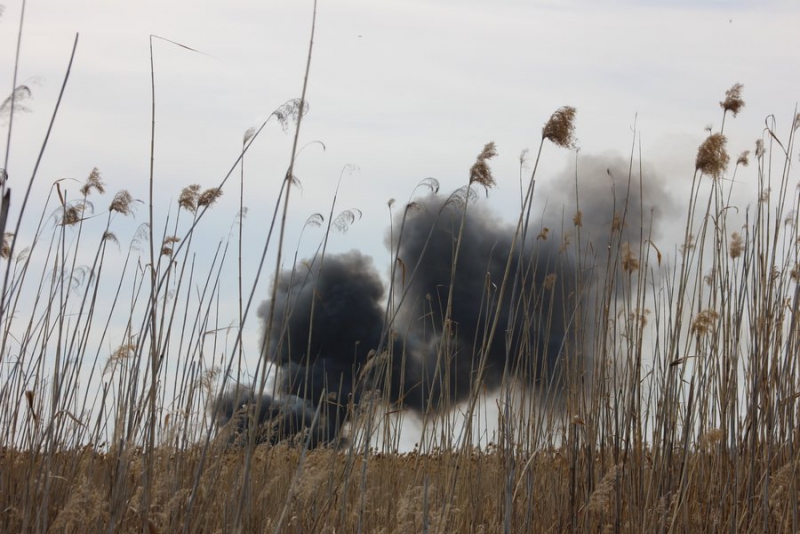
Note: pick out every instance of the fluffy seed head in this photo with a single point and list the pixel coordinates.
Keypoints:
(560, 129)
(110, 236)
(733, 99)
(737, 245)
(617, 223)
(209, 196)
(5, 251)
(290, 112)
(543, 234)
(759, 148)
(166, 247)
(712, 158)
(603, 494)
(72, 214)
(188, 198)
(704, 322)
(480, 173)
(630, 262)
(121, 203)
(744, 159)
(93, 182)
(17, 97)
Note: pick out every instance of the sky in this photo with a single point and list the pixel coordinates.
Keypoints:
(400, 90)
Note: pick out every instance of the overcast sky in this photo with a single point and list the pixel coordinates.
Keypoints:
(402, 89)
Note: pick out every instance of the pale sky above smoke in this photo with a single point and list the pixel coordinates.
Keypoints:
(402, 89)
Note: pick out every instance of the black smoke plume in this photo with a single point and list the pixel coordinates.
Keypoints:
(336, 333)
(530, 324)
(277, 417)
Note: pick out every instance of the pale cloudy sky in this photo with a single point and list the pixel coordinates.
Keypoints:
(402, 89)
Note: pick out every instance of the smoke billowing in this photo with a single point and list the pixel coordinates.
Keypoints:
(512, 311)
(520, 336)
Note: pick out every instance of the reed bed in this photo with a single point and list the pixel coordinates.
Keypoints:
(669, 404)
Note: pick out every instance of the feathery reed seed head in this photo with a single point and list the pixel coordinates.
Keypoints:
(560, 129)
(209, 196)
(733, 99)
(602, 496)
(736, 246)
(207, 379)
(712, 158)
(72, 214)
(617, 223)
(120, 355)
(121, 203)
(290, 112)
(759, 148)
(93, 182)
(188, 198)
(543, 234)
(19, 95)
(480, 172)
(630, 262)
(704, 322)
(110, 236)
(166, 247)
(5, 251)
(744, 159)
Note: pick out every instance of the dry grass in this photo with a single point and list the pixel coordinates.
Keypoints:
(404, 492)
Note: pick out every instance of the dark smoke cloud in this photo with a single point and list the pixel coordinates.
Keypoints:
(278, 417)
(530, 331)
(347, 323)
(536, 319)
